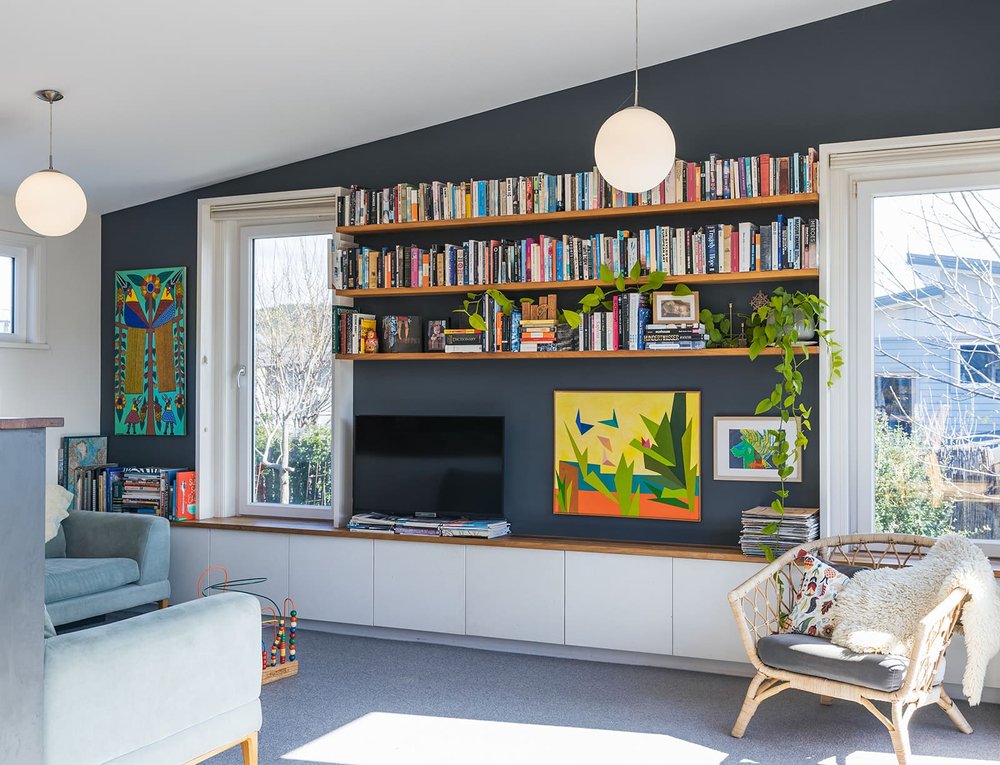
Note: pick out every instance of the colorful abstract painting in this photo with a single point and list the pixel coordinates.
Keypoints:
(745, 447)
(628, 454)
(150, 353)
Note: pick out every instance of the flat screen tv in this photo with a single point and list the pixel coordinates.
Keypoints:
(434, 467)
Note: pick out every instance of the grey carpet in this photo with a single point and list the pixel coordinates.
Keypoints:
(343, 679)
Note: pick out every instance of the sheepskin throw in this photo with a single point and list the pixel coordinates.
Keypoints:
(879, 610)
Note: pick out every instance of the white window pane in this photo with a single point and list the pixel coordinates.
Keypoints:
(292, 385)
(937, 363)
(6, 294)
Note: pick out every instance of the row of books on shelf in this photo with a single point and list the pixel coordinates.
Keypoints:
(759, 175)
(763, 526)
(378, 523)
(102, 486)
(785, 243)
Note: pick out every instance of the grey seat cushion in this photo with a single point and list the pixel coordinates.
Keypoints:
(816, 656)
(67, 578)
(56, 547)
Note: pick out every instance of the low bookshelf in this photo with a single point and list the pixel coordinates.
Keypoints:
(601, 213)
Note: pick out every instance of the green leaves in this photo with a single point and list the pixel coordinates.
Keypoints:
(607, 276)
(682, 290)
(636, 271)
(477, 322)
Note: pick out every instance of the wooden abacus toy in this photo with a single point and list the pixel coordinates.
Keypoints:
(279, 660)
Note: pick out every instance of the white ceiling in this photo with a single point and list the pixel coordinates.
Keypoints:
(165, 97)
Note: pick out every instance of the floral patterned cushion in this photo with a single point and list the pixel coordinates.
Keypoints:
(820, 584)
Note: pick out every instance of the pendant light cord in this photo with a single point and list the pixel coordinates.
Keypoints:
(636, 102)
(50, 133)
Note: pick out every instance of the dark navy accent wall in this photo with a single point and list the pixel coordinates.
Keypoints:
(901, 68)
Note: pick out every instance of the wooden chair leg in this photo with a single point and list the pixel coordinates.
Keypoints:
(749, 706)
(825, 700)
(249, 746)
(900, 733)
(951, 709)
(163, 603)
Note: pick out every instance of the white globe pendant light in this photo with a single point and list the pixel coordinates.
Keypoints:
(50, 203)
(635, 148)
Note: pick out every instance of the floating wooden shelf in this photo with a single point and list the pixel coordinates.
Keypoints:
(702, 352)
(732, 278)
(747, 203)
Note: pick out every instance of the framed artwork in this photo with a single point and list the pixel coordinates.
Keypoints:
(628, 454)
(150, 352)
(669, 308)
(434, 335)
(744, 447)
(401, 334)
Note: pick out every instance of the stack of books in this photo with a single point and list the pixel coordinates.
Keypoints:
(537, 335)
(149, 491)
(670, 337)
(487, 529)
(420, 527)
(463, 341)
(617, 329)
(797, 525)
(372, 523)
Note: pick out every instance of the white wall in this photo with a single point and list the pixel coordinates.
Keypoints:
(64, 379)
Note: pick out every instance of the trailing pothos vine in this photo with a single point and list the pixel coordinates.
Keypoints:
(780, 323)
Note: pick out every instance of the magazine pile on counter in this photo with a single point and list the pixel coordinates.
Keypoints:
(378, 523)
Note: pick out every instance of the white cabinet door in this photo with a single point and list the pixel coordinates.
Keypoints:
(704, 626)
(515, 594)
(420, 586)
(188, 559)
(330, 578)
(247, 554)
(621, 602)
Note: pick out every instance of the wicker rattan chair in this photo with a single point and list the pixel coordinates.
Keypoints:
(762, 603)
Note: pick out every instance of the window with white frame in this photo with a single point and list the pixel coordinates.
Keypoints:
(273, 407)
(21, 276)
(917, 300)
(287, 390)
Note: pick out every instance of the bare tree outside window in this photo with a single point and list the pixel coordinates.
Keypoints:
(292, 384)
(937, 364)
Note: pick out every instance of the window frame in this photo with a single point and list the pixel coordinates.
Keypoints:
(852, 174)
(28, 252)
(970, 345)
(220, 221)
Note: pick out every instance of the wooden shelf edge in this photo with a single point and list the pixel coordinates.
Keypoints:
(746, 203)
(700, 352)
(791, 274)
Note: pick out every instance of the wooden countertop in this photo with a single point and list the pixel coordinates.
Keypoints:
(30, 423)
(326, 528)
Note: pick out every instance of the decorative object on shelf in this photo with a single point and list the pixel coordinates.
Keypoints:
(635, 148)
(280, 659)
(401, 334)
(434, 335)
(628, 454)
(777, 324)
(745, 448)
(674, 308)
(150, 352)
(49, 202)
(759, 300)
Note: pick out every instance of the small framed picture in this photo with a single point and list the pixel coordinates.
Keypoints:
(745, 447)
(669, 308)
(434, 335)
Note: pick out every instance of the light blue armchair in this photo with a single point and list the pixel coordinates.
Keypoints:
(137, 692)
(104, 562)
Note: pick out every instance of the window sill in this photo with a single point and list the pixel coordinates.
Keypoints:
(24, 346)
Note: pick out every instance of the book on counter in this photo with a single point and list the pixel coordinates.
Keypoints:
(486, 529)
(379, 523)
(372, 523)
(796, 526)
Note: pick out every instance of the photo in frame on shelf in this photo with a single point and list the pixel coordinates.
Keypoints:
(745, 448)
(672, 308)
(401, 334)
(434, 335)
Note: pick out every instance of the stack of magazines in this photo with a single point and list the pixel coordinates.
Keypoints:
(797, 525)
(378, 523)
(487, 529)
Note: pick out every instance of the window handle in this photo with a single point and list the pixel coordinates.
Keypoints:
(239, 375)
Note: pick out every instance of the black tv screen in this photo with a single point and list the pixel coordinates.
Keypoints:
(444, 467)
